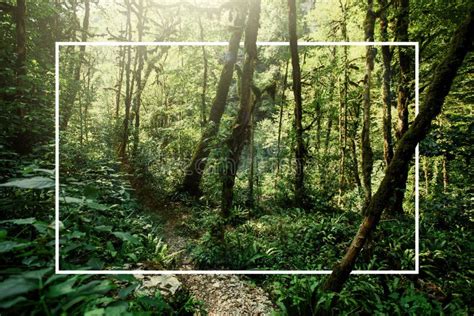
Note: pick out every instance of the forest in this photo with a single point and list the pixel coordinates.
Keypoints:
(229, 157)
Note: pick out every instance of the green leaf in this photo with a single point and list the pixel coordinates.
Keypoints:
(47, 171)
(20, 221)
(6, 246)
(15, 285)
(117, 310)
(36, 274)
(12, 302)
(123, 293)
(103, 228)
(95, 287)
(95, 263)
(126, 237)
(71, 200)
(95, 312)
(30, 183)
(63, 288)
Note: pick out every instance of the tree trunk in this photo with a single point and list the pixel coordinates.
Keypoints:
(440, 85)
(367, 159)
(128, 87)
(355, 165)
(72, 94)
(296, 75)
(386, 94)
(204, 79)
(280, 122)
(21, 142)
(403, 92)
(342, 140)
(195, 169)
(250, 197)
(138, 76)
(120, 80)
(240, 128)
(343, 93)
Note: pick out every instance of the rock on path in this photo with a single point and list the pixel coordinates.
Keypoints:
(228, 294)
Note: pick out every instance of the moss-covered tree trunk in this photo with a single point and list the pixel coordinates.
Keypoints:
(296, 75)
(439, 87)
(240, 128)
(403, 95)
(280, 120)
(386, 93)
(367, 159)
(195, 169)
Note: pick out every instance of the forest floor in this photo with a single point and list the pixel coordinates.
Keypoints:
(217, 291)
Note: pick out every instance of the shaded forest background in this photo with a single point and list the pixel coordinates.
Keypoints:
(300, 146)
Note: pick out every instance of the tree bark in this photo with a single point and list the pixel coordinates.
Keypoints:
(440, 85)
(386, 93)
(21, 142)
(240, 128)
(343, 97)
(204, 79)
(367, 155)
(403, 95)
(128, 87)
(72, 94)
(138, 76)
(195, 169)
(118, 95)
(250, 197)
(280, 121)
(296, 75)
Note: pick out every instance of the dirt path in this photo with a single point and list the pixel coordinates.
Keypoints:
(221, 294)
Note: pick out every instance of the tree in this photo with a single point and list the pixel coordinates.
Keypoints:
(240, 129)
(367, 155)
(300, 151)
(403, 94)
(387, 77)
(20, 141)
(68, 104)
(140, 55)
(122, 151)
(195, 169)
(439, 87)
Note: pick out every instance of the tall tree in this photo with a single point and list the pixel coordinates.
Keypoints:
(367, 159)
(68, 105)
(20, 141)
(240, 128)
(300, 151)
(140, 55)
(386, 93)
(343, 97)
(195, 169)
(122, 151)
(280, 120)
(204, 77)
(121, 66)
(460, 45)
(403, 94)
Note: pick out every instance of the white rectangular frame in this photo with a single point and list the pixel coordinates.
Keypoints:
(299, 272)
